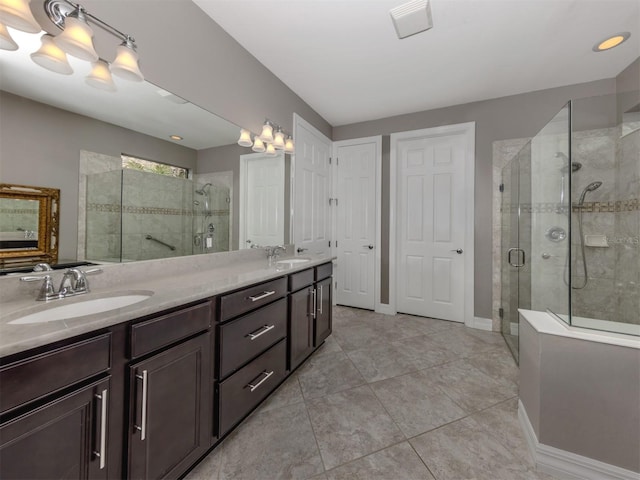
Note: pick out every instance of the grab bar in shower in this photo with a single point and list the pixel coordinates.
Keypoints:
(153, 239)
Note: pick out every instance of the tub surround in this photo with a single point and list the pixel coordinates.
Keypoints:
(579, 396)
(174, 282)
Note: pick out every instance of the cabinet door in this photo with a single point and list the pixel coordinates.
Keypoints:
(323, 312)
(64, 439)
(301, 326)
(170, 405)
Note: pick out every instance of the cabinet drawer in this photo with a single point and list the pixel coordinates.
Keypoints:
(300, 280)
(166, 329)
(242, 391)
(237, 303)
(34, 377)
(248, 336)
(324, 271)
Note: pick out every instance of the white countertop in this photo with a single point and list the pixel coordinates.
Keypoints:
(172, 282)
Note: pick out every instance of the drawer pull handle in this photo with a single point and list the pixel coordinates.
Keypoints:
(102, 452)
(261, 331)
(143, 423)
(266, 377)
(261, 296)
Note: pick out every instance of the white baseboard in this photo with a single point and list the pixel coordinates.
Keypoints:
(514, 328)
(481, 323)
(567, 465)
(385, 309)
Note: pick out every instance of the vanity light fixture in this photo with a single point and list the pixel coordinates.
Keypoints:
(245, 138)
(6, 42)
(267, 132)
(611, 42)
(17, 14)
(288, 145)
(50, 56)
(271, 151)
(77, 37)
(278, 139)
(100, 76)
(126, 63)
(258, 146)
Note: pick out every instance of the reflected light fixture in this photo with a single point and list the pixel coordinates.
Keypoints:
(271, 151)
(50, 56)
(176, 137)
(17, 14)
(278, 139)
(267, 132)
(126, 63)
(245, 138)
(6, 42)
(77, 37)
(611, 42)
(258, 146)
(288, 145)
(100, 77)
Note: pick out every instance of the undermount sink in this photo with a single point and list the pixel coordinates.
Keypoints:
(66, 311)
(293, 261)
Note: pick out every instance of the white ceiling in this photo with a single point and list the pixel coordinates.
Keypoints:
(344, 59)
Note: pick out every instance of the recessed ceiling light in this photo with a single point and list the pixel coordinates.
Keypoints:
(175, 137)
(610, 42)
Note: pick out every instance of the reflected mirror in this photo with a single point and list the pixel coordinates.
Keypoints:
(111, 212)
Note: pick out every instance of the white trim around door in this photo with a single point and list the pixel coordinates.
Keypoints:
(467, 131)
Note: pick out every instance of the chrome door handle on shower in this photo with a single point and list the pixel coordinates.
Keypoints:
(520, 251)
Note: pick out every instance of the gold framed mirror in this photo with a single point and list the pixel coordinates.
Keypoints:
(29, 219)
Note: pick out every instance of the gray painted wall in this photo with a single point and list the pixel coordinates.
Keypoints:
(40, 145)
(184, 51)
(515, 116)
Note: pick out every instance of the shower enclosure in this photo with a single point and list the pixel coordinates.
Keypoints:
(137, 215)
(570, 219)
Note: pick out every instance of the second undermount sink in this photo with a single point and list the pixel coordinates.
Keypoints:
(292, 261)
(66, 311)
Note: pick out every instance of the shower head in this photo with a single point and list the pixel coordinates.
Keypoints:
(589, 188)
(203, 190)
(575, 166)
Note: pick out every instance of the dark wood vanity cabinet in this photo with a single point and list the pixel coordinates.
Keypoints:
(300, 326)
(323, 323)
(170, 401)
(55, 412)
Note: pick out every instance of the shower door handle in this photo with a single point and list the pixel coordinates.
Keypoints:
(519, 251)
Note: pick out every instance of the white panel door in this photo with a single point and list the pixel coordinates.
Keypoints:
(312, 189)
(262, 200)
(356, 222)
(431, 229)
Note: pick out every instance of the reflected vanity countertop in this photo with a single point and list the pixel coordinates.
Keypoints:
(173, 283)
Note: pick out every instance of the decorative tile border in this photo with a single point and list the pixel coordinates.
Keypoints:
(588, 207)
(116, 208)
(14, 211)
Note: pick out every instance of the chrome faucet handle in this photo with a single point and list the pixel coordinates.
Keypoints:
(68, 282)
(42, 267)
(47, 292)
(80, 278)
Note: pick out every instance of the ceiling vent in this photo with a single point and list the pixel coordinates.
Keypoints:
(411, 18)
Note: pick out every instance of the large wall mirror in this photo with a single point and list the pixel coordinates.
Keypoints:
(61, 133)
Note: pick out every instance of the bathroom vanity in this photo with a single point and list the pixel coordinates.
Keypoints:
(147, 390)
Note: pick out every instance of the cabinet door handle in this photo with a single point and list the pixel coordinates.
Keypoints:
(261, 296)
(143, 421)
(320, 303)
(261, 331)
(315, 303)
(254, 385)
(101, 453)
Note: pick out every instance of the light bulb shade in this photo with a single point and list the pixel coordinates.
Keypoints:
(17, 14)
(50, 56)
(126, 64)
(245, 138)
(100, 77)
(6, 42)
(288, 145)
(258, 146)
(267, 133)
(77, 39)
(278, 140)
(270, 150)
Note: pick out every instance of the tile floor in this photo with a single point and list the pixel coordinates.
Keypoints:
(388, 398)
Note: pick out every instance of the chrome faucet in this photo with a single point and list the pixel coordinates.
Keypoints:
(74, 282)
(274, 252)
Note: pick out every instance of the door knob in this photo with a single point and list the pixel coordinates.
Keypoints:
(370, 247)
(458, 251)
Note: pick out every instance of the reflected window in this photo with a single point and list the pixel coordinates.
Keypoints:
(150, 166)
